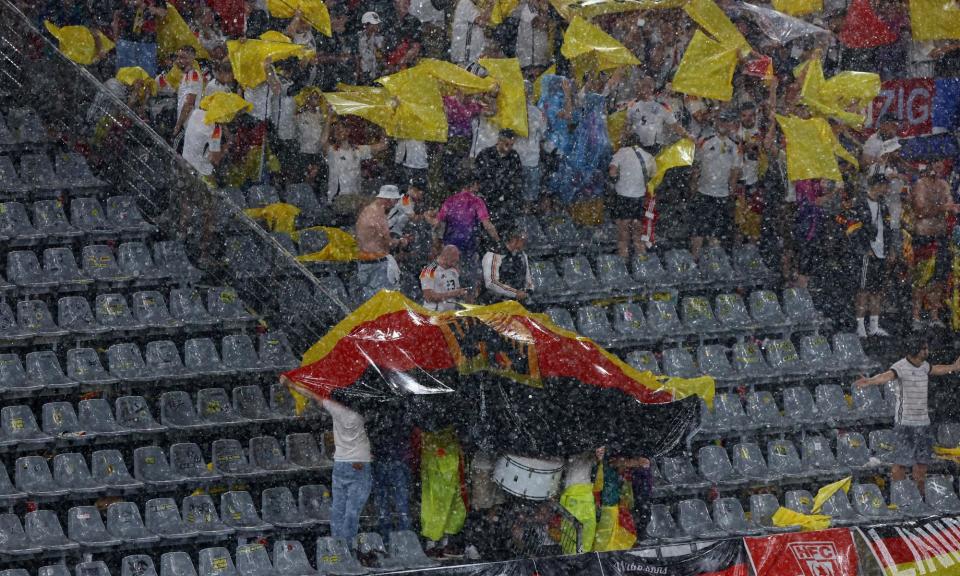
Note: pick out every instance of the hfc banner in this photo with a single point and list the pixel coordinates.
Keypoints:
(930, 547)
(820, 553)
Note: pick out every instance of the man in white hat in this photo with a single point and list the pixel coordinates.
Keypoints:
(377, 270)
(370, 46)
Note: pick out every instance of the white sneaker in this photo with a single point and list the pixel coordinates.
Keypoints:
(861, 332)
(880, 332)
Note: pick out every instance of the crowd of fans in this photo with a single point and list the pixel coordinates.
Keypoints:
(441, 220)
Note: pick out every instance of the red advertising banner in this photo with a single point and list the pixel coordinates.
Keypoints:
(821, 553)
(909, 102)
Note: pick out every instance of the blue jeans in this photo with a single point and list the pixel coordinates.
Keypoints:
(351, 488)
(391, 481)
(142, 54)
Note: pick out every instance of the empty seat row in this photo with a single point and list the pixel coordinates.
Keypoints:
(133, 264)
(36, 172)
(163, 520)
(108, 472)
(94, 418)
(20, 127)
(46, 220)
(111, 314)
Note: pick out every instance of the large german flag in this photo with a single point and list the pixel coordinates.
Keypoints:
(929, 546)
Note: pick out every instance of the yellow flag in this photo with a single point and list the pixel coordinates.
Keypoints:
(279, 217)
(935, 19)
(130, 75)
(77, 43)
(714, 20)
(452, 77)
(418, 112)
(247, 56)
(787, 517)
(829, 490)
(834, 98)
(587, 45)
(511, 99)
(798, 7)
(812, 149)
(367, 102)
(680, 153)
(539, 81)
(223, 107)
(592, 8)
(341, 247)
(173, 33)
(313, 11)
(706, 69)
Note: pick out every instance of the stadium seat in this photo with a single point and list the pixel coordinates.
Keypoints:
(215, 408)
(561, 232)
(536, 238)
(290, 559)
(88, 215)
(578, 275)
(749, 264)
(612, 272)
(50, 220)
(852, 450)
(883, 444)
(100, 264)
(238, 512)
(849, 353)
(34, 318)
(170, 256)
(151, 467)
(948, 435)
(23, 269)
(163, 361)
(762, 410)
(94, 568)
(26, 123)
(138, 565)
(762, 509)
(679, 471)
(13, 540)
(8, 324)
(200, 515)
(162, 517)
(20, 428)
(70, 471)
(254, 560)
(783, 359)
(125, 216)
(908, 500)
(85, 526)
(312, 241)
(15, 224)
(732, 315)
(783, 460)
(749, 463)
(215, 562)
(749, 363)
(13, 378)
(818, 457)
(562, 318)
(663, 320)
(33, 477)
(715, 466)
(302, 196)
(177, 564)
(10, 182)
(285, 242)
(72, 168)
(200, 357)
(708, 420)
(303, 450)
(643, 360)
(265, 454)
(133, 413)
(941, 495)
(126, 363)
(729, 412)
(677, 362)
(280, 508)
(695, 521)
(282, 402)
(75, 315)
(43, 529)
(112, 312)
(135, 261)
(9, 494)
(370, 547)
(629, 322)
(261, 195)
(816, 354)
(335, 558)
(244, 257)
(715, 267)
(60, 265)
(681, 267)
(274, 351)
(314, 502)
(799, 501)
(230, 459)
(765, 310)
(224, 304)
(730, 517)
(697, 316)
(661, 526)
(235, 195)
(712, 359)
(150, 311)
(649, 272)
(109, 468)
(593, 323)
(839, 509)
(96, 417)
(868, 502)
(249, 403)
(869, 405)
(832, 404)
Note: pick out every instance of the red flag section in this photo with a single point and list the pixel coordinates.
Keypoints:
(804, 553)
(862, 28)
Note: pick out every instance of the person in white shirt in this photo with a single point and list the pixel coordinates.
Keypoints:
(411, 160)
(871, 244)
(222, 81)
(911, 417)
(206, 141)
(370, 46)
(343, 166)
(649, 119)
(405, 210)
(468, 42)
(352, 471)
(533, 42)
(311, 120)
(630, 170)
(529, 149)
(507, 276)
(440, 281)
(190, 88)
(716, 171)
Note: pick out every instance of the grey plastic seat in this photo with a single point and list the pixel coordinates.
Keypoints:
(96, 417)
(798, 307)
(126, 363)
(906, 496)
(663, 320)
(151, 467)
(50, 220)
(43, 529)
(783, 358)
(370, 547)
(941, 495)
(70, 471)
(262, 195)
(562, 318)
(8, 323)
(730, 517)
(43, 368)
(303, 450)
(34, 318)
(88, 215)
(13, 540)
(28, 126)
(578, 275)
(593, 323)
(73, 169)
(200, 357)
(280, 508)
(282, 402)
(249, 403)
(730, 414)
(708, 420)
(643, 360)
(214, 407)
(697, 315)
(125, 215)
(661, 526)
(868, 404)
(839, 509)
(85, 526)
(60, 266)
(302, 196)
(832, 404)
(254, 560)
(765, 310)
(536, 237)
(762, 509)
(312, 241)
(162, 517)
(816, 354)
(224, 304)
(9, 494)
(715, 466)
(629, 321)
(679, 363)
(150, 310)
(230, 459)
(749, 264)
(334, 557)
(20, 427)
(135, 261)
(694, 519)
(177, 411)
(715, 267)
(274, 351)
(712, 359)
(290, 559)
(23, 269)
(216, 562)
(799, 406)
(239, 512)
(239, 354)
(799, 501)
(849, 352)
(163, 360)
(113, 312)
(265, 454)
(95, 568)
(750, 364)
(32, 476)
(187, 460)
(75, 315)
(816, 455)
(133, 413)
(100, 264)
(612, 272)
(9, 179)
(235, 195)
(883, 445)
(868, 502)
(681, 267)
(748, 462)
(200, 514)
(315, 502)
(783, 459)
(679, 471)
(561, 231)
(245, 256)
(648, 270)
(177, 564)
(170, 256)
(852, 450)
(762, 410)
(13, 378)
(15, 223)
(109, 468)
(138, 565)
(404, 547)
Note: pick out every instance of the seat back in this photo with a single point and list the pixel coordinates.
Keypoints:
(84, 523)
(679, 363)
(12, 374)
(137, 565)
(678, 470)
(133, 413)
(43, 367)
(254, 560)
(239, 352)
(799, 501)
(852, 449)
(33, 316)
(275, 351)
(265, 453)
(224, 303)
(883, 444)
(314, 502)
(940, 493)
(868, 500)
(200, 513)
(712, 359)
(109, 468)
(697, 313)
(728, 514)
(248, 402)
(334, 556)
(661, 524)
(816, 353)
(134, 258)
(838, 506)
(782, 356)
(150, 464)
(748, 360)
(171, 255)
(18, 422)
(612, 270)
(714, 464)
(277, 505)
(163, 358)
(593, 323)
(289, 557)
(648, 270)
(216, 562)
(662, 317)
(262, 195)
(32, 475)
(88, 214)
(95, 415)
(798, 403)
(694, 517)
(628, 320)
(112, 310)
(731, 312)
(643, 360)
(214, 405)
(715, 265)
(229, 457)
(150, 308)
(817, 454)
(905, 494)
(762, 509)
(48, 215)
(303, 450)
(70, 470)
(98, 568)
(681, 266)
(99, 262)
(60, 418)
(782, 457)
(831, 401)
(162, 516)
(848, 350)
(74, 314)
(577, 273)
(729, 411)
(798, 305)
(177, 564)
(749, 263)
(43, 528)
(238, 510)
(868, 402)
(23, 267)
(200, 355)
(186, 305)
(748, 460)
(562, 318)
(124, 212)
(176, 409)
(765, 308)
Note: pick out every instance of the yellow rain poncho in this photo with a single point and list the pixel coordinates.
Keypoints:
(787, 517)
(578, 500)
(715, 22)
(798, 7)
(442, 510)
(829, 490)
(341, 246)
(590, 48)
(279, 217)
(589, 9)
(832, 98)
(173, 33)
(812, 149)
(417, 105)
(130, 75)
(678, 154)
(77, 43)
(313, 11)
(247, 56)
(511, 99)
(934, 20)
(706, 69)
(452, 77)
(222, 107)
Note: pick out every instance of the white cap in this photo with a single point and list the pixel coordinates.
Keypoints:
(389, 192)
(370, 18)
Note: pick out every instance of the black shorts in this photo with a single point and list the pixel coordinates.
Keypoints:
(626, 208)
(712, 217)
(872, 271)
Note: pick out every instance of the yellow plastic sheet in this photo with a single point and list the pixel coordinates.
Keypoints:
(714, 21)
(611, 535)
(501, 10)
(935, 20)
(787, 517)
(539, 81)
(578, 500)
(589, 47)
(812, 149)
(452, 77)
(418, 112)
(798, 7)
(706, 69)
(223, 107)
(680, 153)
(829, 490)
(511, 100)
(442, 510)
(247, 56)
(173, 33)
(341, 246)
(835, 97)
(314, 11)
(130, 75)
(616, 122)
(279, 217)
(77, 43)
(592, 8)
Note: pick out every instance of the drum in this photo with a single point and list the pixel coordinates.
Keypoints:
(528, 477)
